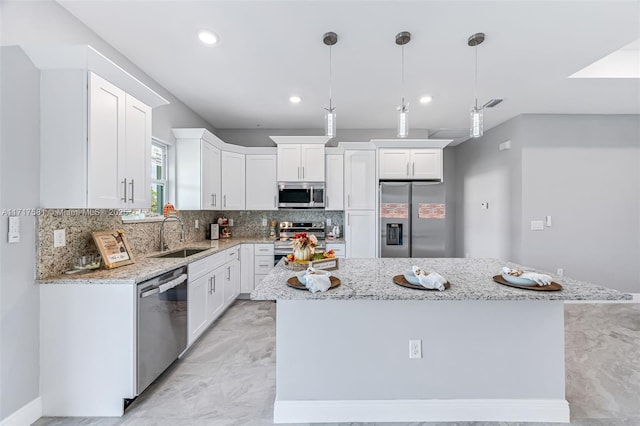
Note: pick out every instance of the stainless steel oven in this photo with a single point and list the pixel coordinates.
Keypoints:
(301, 195)
(162, 324)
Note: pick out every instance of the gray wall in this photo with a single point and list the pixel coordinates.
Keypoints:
(20, 176)
(39, 23)
(581, 170)
(584, 171)
(485, 174)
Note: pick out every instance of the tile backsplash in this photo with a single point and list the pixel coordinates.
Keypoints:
(144, 237)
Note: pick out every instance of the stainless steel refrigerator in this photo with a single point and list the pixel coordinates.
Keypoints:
(412, 219)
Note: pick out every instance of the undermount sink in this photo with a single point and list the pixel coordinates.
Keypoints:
(181, 253)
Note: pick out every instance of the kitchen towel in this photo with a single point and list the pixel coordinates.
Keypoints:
(540, 279)
(317, 281)
(432, 280)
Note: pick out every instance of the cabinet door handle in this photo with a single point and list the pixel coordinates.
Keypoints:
(210, 285)
(298, 172)
(326, 203)
(224, 200)
(228, 273)
(413, 169)
(132, 192)
(214, 283)
(124, 184)
(275, 204)
(348, 219)
(407, 169)
(302, 172)
(348, 200)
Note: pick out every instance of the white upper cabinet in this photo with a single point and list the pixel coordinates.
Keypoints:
(300, 158)
(360, 180)
(95, 121)
(289, 167)
(312, 162)
(404, 164)
(233, 181)
(95, 144)
(301, 163)
(261, 182)
(198, 184)
(334, 186)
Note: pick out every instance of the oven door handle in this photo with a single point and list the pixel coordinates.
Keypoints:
(173, 283)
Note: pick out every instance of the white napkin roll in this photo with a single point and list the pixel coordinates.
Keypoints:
(316, 282)
(540, 279)
(432, 280)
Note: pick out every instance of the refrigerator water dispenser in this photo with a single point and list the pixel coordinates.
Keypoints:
(394, 234)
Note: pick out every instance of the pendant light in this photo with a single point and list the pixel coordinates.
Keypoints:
(403, 38)
(476, 130)
(330, 39)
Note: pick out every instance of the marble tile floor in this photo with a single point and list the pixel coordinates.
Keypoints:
(228, 377)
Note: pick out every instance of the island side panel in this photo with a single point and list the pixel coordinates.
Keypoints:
(472, 350)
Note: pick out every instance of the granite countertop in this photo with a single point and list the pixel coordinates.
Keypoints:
(147, 266)
(471, 279)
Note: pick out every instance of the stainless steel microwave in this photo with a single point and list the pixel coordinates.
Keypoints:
(301, 195)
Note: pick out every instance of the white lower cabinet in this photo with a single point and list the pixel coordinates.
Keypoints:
(214, 283)
(246, 268)
(262, 262)
(338, 248)
(360, 233)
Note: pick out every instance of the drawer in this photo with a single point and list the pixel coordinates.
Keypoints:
(232, 254)
(340, 249)
(263, 265)
(263, 249)
(203, 266)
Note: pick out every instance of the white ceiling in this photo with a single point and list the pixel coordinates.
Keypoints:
(270, 50)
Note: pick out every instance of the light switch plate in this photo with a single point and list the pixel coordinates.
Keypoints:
(14, 230)
(537, 225)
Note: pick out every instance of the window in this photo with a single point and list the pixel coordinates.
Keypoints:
(158, 187)
(158, 176)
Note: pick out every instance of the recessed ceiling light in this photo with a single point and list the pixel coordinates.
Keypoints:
(207, 37)
(426, 99)
(295, 99)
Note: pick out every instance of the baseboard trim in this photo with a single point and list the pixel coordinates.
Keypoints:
(26, 415)
(443, 410)
(635, 299)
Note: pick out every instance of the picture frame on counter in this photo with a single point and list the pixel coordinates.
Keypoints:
(114, 248)
(327, 264)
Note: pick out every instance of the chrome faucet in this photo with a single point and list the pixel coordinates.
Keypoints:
(163, 246)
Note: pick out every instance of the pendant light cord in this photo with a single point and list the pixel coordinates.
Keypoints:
(402, 108)
(476, 82)
(330, 79)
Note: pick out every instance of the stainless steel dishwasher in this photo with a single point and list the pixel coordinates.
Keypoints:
(162, 324)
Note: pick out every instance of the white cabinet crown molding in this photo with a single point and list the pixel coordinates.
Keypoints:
(87, 58)
(411, 143)
(202, 133)
(281, 140)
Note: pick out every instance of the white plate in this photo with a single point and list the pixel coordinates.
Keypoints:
(518, 280)
(303, 280)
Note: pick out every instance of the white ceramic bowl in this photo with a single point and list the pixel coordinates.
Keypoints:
(518, 280)
(303, 280)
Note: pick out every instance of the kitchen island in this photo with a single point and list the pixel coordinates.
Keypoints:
(488, 352)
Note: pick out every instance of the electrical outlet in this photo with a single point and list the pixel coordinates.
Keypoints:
(197, 224)
(415, 348)
(537, 225)
(230, 222)
(485, 205)
(328, 221)
(560, 272)
(264, 222)
(59, 238)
